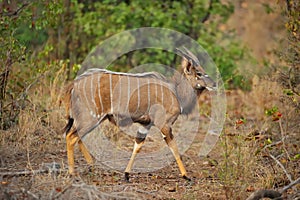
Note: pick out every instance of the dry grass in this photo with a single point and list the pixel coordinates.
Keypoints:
(254, 143)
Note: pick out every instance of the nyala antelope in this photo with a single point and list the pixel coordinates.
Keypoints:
(149, 99)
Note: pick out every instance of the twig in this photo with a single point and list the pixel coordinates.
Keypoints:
(274, 144)
(207, 15)
(93, 193)
(30, 193)
(290, 185)
(151, 193)
(284, 170)
(283, 136)
(22, 173)
(16, 12)
(290, 82)
(288, 6)
(62, 191)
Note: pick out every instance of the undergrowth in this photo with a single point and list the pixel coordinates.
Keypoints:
(259, 150)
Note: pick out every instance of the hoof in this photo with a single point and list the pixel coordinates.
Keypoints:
(91, 168)
(71, 172)
(186, 178)
(126, 177)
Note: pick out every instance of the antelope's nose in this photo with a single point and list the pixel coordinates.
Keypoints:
(210, 84)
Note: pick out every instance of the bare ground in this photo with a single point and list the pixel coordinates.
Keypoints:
(24, 177)
(33, 164)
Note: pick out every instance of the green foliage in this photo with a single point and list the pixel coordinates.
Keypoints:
(271, 111)
(297, 157)
(268, 8)
(288, 92)
(23, 28)
(99, 20)
(40, 37)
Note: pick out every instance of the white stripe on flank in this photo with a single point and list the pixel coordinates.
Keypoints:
(149, 95)
(99, 92)
(138, 85)
(119, 84)
(72, 98)
(128, 94)
(111, 94)
(155, 91)
(84, 92)
(171, 94)
(93, 94)
(162, 93)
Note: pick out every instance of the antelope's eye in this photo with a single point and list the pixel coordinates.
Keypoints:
(199, 73)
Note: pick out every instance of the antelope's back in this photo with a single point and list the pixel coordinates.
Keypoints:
(99, 92)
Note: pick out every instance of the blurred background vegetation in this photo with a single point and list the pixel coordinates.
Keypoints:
(41, 38)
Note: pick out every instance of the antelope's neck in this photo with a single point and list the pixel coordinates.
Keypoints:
(186, 95)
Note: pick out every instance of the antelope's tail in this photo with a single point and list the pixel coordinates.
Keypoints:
(69, 125)
(66, 99)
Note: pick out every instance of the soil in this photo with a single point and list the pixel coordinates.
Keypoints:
(41, 172)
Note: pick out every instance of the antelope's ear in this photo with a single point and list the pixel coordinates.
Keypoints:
(186, 66)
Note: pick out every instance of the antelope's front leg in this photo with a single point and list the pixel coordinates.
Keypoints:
(71, 140)
(139, 141)
(169, 138)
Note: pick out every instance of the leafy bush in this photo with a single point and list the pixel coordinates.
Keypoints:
(23, 26)
(289, 75)
(199, 19)
(38, 38)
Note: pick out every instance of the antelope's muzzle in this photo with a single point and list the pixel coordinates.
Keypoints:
(209, 84)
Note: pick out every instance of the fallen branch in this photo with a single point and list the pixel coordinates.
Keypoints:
(259, 194)
(15, 12)
(272, 194)
(46, 168)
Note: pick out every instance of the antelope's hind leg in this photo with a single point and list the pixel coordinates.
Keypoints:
(139, 141)
(169, 138)
(71, 139)
(85, 153)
